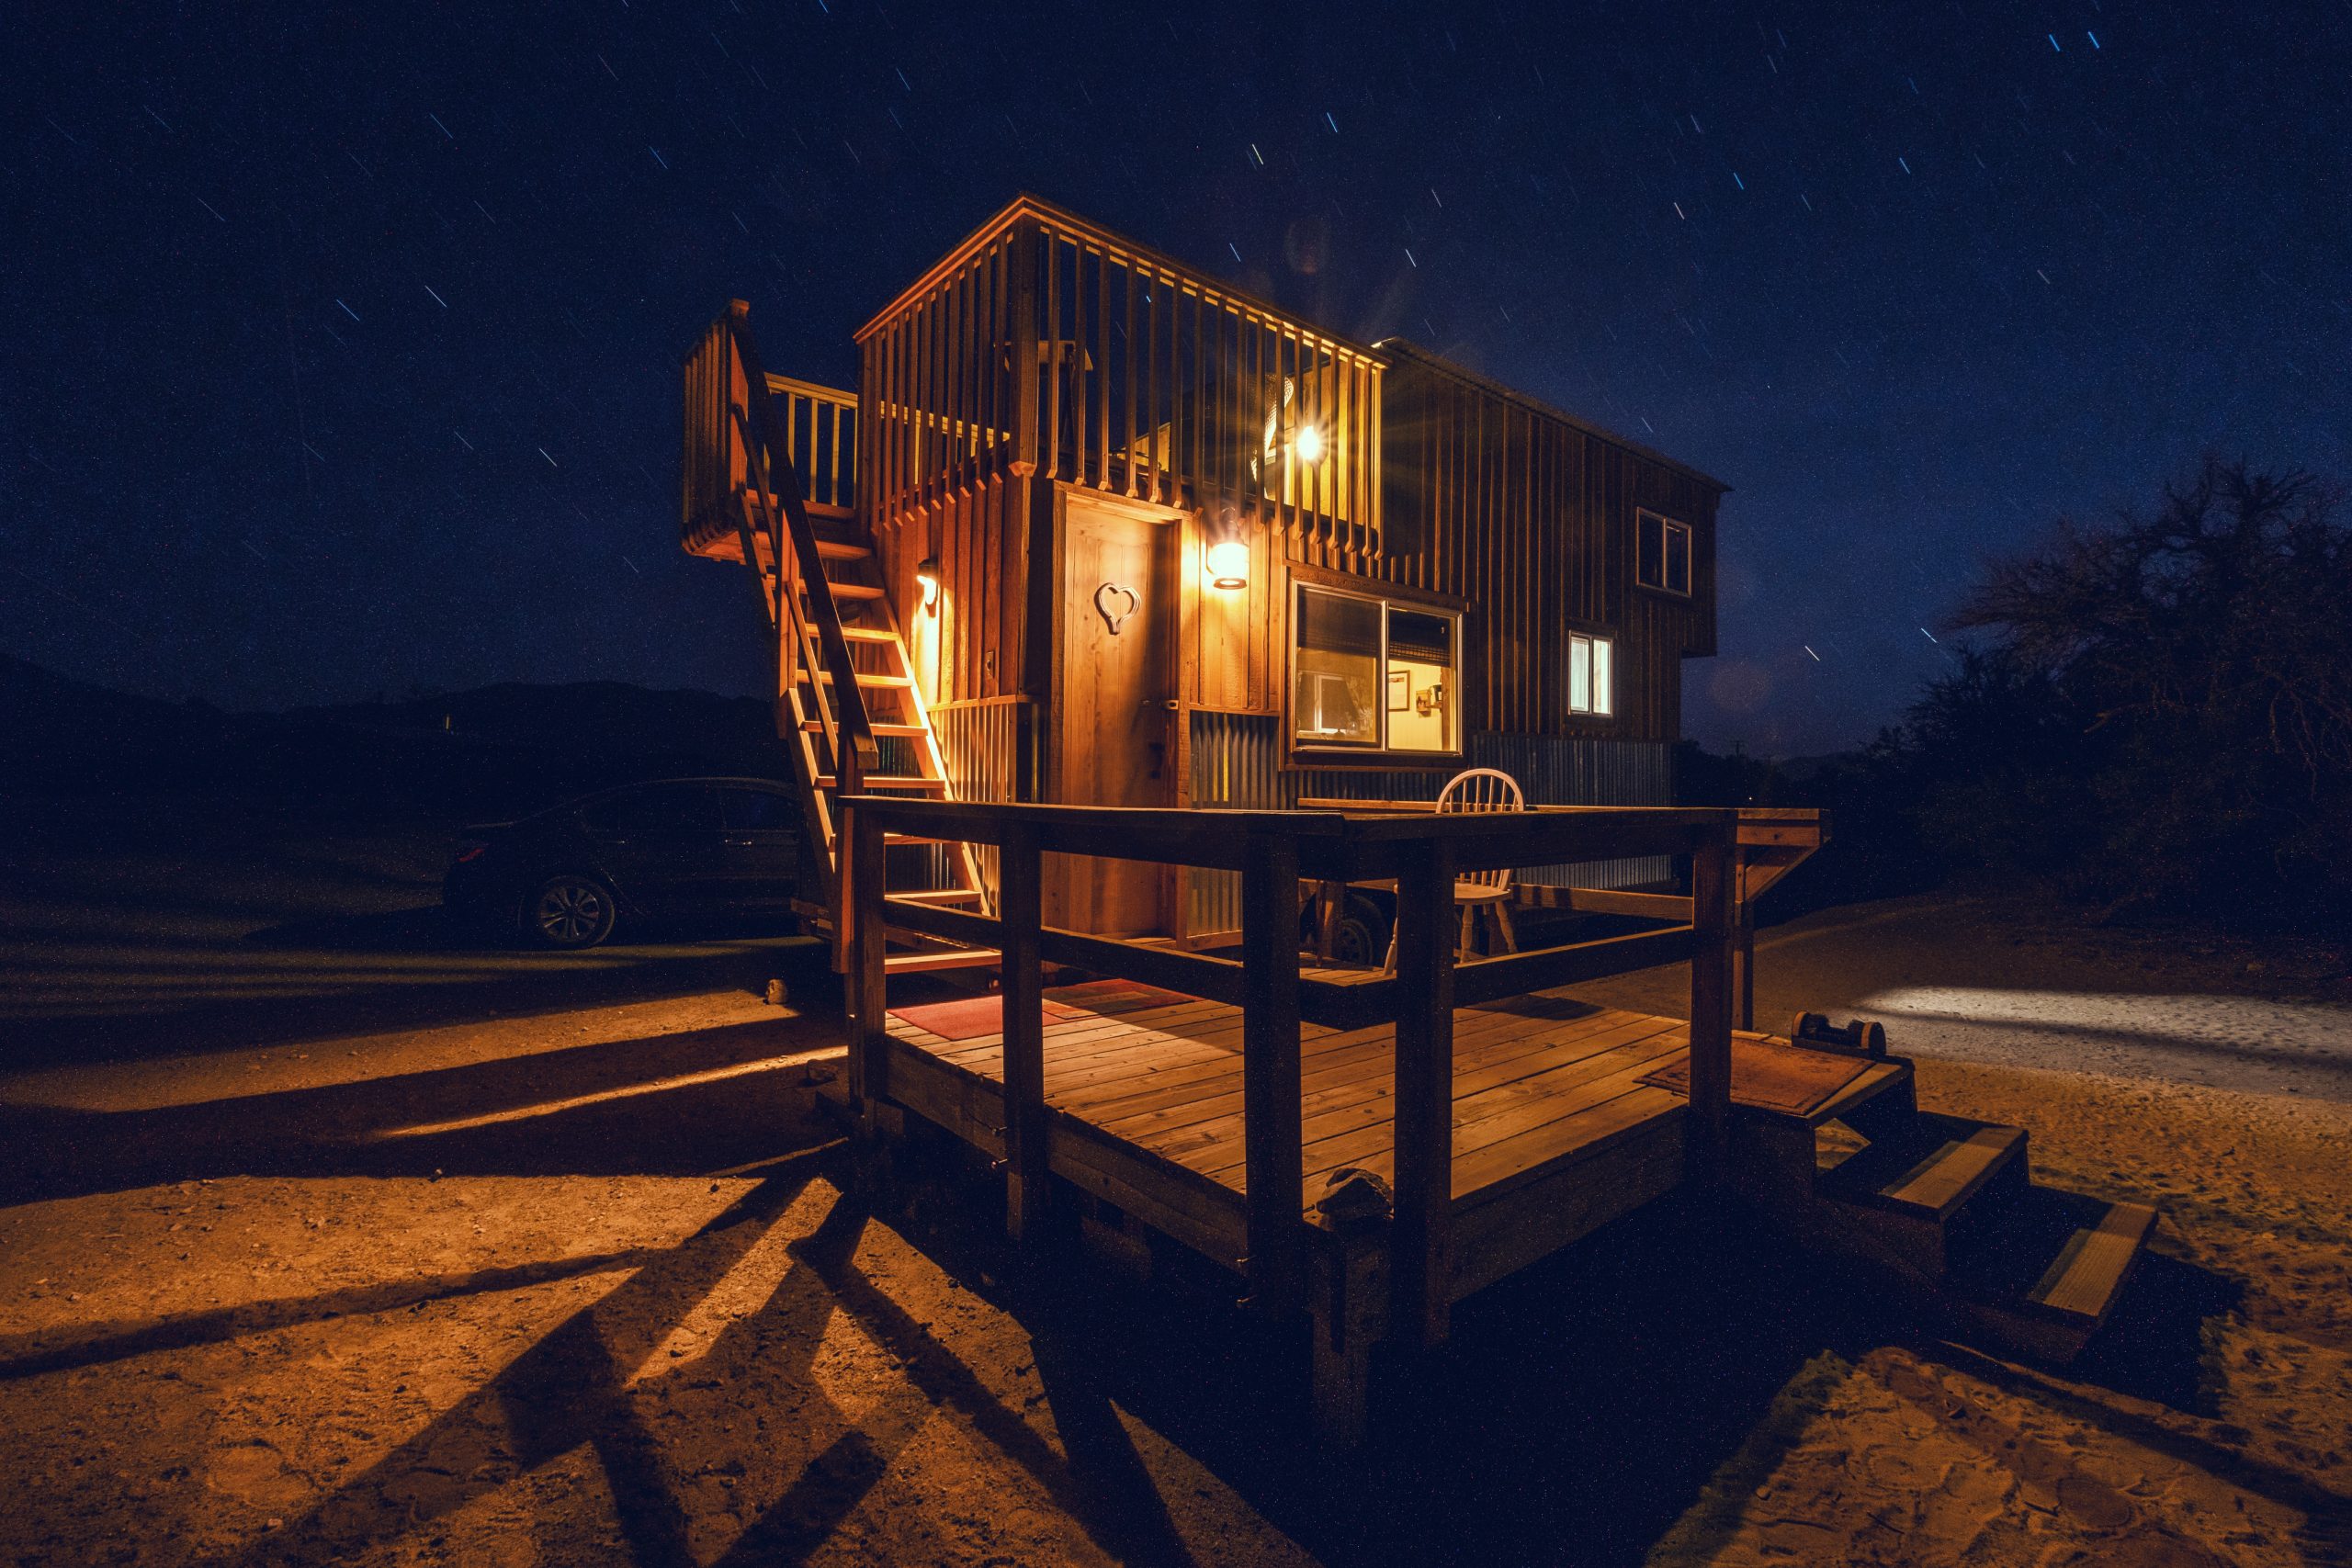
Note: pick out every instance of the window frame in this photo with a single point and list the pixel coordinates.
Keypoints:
(1667, 527)
(1606, 637)
(1302, 752)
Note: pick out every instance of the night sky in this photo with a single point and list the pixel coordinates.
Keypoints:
(341, 357)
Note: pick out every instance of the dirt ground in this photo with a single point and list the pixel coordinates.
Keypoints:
(585, 1284)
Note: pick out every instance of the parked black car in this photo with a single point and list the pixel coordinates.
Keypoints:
(565, 877)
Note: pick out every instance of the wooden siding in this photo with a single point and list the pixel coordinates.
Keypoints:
(1521, 513)
(971, 646)
(1529, 517)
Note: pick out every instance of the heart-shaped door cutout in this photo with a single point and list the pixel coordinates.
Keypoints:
(1109, 593)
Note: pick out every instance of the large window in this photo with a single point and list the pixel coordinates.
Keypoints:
(1661, 553)
(1591, 675)
(1375, 674)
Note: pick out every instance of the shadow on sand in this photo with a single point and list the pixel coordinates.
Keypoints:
(1581, 1408)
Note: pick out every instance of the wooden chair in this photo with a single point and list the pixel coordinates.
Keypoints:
(1476, 790)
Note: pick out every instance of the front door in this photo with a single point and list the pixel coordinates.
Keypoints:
(1114, 723)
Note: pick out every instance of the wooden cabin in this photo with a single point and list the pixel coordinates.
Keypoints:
(1127, 625)
(1152, 542)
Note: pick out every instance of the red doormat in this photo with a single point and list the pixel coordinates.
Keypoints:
(1770, 1075)
(967, 1018)
(1116, 996)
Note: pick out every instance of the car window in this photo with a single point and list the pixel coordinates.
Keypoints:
(662, 808)
(757, 809)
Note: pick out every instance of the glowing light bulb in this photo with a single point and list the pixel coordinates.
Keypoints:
(927, 573)
(1308, 444)
(1228, 564)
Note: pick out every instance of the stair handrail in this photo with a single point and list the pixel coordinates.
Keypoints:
(765, 444)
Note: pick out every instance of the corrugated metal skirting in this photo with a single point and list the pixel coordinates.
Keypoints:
(1236, 762)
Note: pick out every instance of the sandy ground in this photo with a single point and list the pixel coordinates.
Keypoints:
(583, 1284)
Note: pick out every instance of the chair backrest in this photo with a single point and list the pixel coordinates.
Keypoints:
(1475, 790)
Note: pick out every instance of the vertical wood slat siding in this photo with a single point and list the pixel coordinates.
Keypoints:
(1237, 763)
(1528, 518)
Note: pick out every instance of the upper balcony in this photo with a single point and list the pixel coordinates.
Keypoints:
(1046, 345)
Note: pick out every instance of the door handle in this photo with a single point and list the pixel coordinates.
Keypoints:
(1167, 703)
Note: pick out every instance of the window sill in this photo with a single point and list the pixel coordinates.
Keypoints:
(1300, 758)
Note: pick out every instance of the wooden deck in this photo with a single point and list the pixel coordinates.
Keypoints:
(1145, 1111)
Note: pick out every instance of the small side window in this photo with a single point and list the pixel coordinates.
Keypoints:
(1662, 553)
(1591, 675)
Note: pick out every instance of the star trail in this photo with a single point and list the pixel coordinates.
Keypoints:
(343, 351)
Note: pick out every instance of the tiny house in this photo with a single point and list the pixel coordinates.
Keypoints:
(1127, 626)
(1146, 540)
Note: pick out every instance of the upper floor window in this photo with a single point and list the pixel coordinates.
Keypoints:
(1374, 673)
(1591, 675)
(1661, 553)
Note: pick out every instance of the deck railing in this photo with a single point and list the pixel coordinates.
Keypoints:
(1044, 345)
(1274, 852)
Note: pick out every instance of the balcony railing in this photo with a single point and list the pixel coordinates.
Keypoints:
(1044, 344)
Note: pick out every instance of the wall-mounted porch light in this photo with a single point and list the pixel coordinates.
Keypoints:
(927, 573)
(1308, 445)
(1228, 564)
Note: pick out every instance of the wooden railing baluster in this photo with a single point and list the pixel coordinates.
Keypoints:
(1273, 1150)
(1421, 1270)
(1712, 923)
(868, 1061)
(1019, 914)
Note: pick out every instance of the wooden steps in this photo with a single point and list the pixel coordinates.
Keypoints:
(2051, 1277)
(1948, 1207)
(1927, 1178)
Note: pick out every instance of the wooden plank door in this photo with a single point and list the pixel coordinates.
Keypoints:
(1113, 719)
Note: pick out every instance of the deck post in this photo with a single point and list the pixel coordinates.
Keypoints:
(1272, 1152)
(1713, 923)
(1019, 907)
(1421, 1270)
(868, 1080)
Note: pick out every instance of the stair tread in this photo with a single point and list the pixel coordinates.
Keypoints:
(940, 958)
(873, 678)
(841, 549)
(1929, 1171)
(940, 896)
(850, 590)
(901, 731)
(868, 634)
(888, 781)
(2088, 1271)
(2061, 1255)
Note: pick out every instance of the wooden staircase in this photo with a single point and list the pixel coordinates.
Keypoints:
(848, 701)
(1948, 1209)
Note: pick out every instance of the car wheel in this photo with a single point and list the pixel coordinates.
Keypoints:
(1360, 940)
(570, 911)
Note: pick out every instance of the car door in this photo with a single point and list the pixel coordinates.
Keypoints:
(760, 846)
(660, 843)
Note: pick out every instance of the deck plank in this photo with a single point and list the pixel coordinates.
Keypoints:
(1539, 1083)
